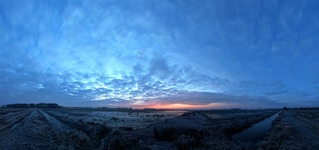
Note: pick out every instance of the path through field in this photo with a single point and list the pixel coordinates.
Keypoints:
(33, 131)
(294, 131)
(309, 123)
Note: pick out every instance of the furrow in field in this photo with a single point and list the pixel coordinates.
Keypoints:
(55, 122)
(14, 120)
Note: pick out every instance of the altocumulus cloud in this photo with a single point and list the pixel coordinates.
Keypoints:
(141, 53)
(158, 82)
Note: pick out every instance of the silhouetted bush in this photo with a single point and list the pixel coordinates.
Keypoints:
(185, 142)
(182, 137)
(116, 141)
(102, 130)
(233, 129)
(73, 140)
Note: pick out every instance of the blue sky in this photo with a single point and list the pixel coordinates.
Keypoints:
(140, 53)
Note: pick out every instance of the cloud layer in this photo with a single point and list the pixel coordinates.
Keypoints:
(138, 53)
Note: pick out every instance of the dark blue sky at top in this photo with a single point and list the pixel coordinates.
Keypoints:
(235, 53)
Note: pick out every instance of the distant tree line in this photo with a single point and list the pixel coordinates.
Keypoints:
(118, 108)
(309, 108)
(32, 105)
(302, 108)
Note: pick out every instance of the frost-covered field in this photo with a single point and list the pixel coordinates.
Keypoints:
(151, 129)
(134, 119)
(294, 129)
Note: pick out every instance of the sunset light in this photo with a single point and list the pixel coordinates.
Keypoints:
(187, 106)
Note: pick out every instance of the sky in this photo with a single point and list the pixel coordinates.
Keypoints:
(160, 53)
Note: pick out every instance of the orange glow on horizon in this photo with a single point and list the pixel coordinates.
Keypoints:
(185, 106)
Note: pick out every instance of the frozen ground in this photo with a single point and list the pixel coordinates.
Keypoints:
(294, 129)
(96, 129)
(134, 120)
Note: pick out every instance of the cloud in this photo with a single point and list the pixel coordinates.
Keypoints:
(159, 68)
(158, 81)
(141, 52)
(207, 98)
(275, 92)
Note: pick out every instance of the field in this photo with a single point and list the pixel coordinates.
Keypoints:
(70, 128)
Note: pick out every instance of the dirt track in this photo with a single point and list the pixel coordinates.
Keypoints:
(32, 132)
(293, 130)
(11, 119)
(35, 129)
(309, 123)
